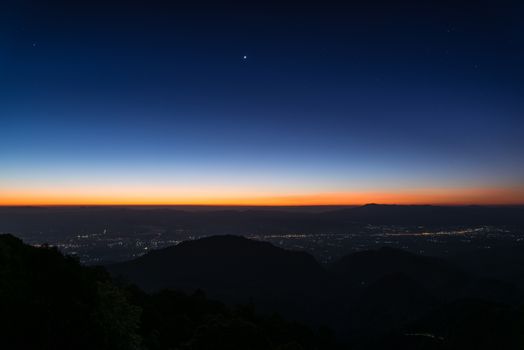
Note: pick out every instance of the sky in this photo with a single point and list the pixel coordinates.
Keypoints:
(261, 102)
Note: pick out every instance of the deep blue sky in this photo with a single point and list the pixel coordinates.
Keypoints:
(364, 97)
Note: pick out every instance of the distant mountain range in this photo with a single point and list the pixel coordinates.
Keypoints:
(429, 215)
(239, 220)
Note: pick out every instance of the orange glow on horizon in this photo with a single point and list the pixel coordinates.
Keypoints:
(157, 196)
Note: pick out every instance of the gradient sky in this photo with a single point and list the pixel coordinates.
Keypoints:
(105, 102)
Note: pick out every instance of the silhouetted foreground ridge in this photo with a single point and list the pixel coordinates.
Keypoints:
(381, 299)
(48, 301)
(369, 298)
(228, 267)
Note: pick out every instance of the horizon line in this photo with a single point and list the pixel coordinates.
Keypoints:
(264, 205)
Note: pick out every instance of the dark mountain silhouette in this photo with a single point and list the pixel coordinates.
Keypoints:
(48, 301)
(503, 263)
(361, 269)
(379, 299)
(367, 292)
(387, 304)
(383, 289)
(430, 215)
(233, 269)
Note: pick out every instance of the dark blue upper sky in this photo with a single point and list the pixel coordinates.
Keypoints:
(366, 96)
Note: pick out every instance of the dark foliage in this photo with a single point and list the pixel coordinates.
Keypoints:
(48, 301)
